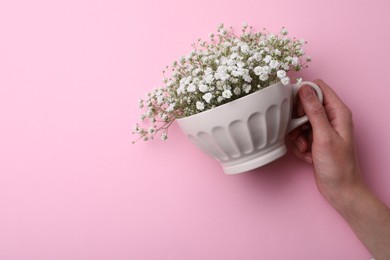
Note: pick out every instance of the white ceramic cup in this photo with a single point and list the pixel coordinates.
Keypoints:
(248, 132)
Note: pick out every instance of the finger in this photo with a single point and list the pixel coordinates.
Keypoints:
(308, 157)
(303, 156)
(314, 111)
(297, 152)
(301, 143)
(301, 137)
(338, 113)
(299, 109)
(294, 134)
(331, 100)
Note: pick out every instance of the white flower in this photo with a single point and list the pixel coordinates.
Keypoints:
(181, 89)
(235, 48)
(284, 31)
(263, 77)
(170, 83)
(159, 100)
(246, 88)
(199, 105)
(274, 64)
(234, 55)
(227, 94)
(188, 57)
(141, 103)
(149, 112)
(219, 99)
(271, 36)
(222, 31)
(209, 79)
(188, 80)
(242, 71)
(308, 58)
(281, 74)
(244, 25)
(222, 73)
(277, 52)
(247, 78)
(224, 76)
(164, 117)
(230, 62)
(226, 87)
(171, 107)
(295, 61)
(285, 66)
(267, 59)
(237, 91)
(203, 88)
(151, 130)
(191, 88)
(207, 97)
(235, 73)
(265, 69)
(245, 48)
(234, 80)
(258, 70)
(195, 72)
(285, 81)
(257, 56)
(164, 137)
(208, 71)
(240, 64)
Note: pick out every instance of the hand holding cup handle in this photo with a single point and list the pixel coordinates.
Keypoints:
(295, 122)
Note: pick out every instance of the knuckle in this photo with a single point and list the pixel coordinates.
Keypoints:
(318, 110)
(326, 141)
(319, 81)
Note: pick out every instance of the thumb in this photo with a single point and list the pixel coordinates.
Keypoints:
(314, 110)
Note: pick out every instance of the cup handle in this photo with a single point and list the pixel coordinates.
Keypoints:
(295, 122)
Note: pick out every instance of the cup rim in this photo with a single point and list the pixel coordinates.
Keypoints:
(277, 84)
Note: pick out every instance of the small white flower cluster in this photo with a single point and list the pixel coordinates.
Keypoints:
(219, 71)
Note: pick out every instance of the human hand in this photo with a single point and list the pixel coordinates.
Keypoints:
(330, 147)
(329, 143)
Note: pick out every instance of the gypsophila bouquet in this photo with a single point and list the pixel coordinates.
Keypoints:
(218, 71)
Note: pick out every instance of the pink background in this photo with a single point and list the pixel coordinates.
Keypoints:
(73, 187)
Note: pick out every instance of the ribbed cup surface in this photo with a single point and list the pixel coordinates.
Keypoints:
(243, 130)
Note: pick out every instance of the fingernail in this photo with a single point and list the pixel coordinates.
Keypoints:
(301, 145)
(306, 91)
(308, 158)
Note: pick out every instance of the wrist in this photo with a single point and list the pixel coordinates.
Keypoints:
(346, 198)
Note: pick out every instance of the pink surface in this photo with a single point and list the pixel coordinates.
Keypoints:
(73, 187)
